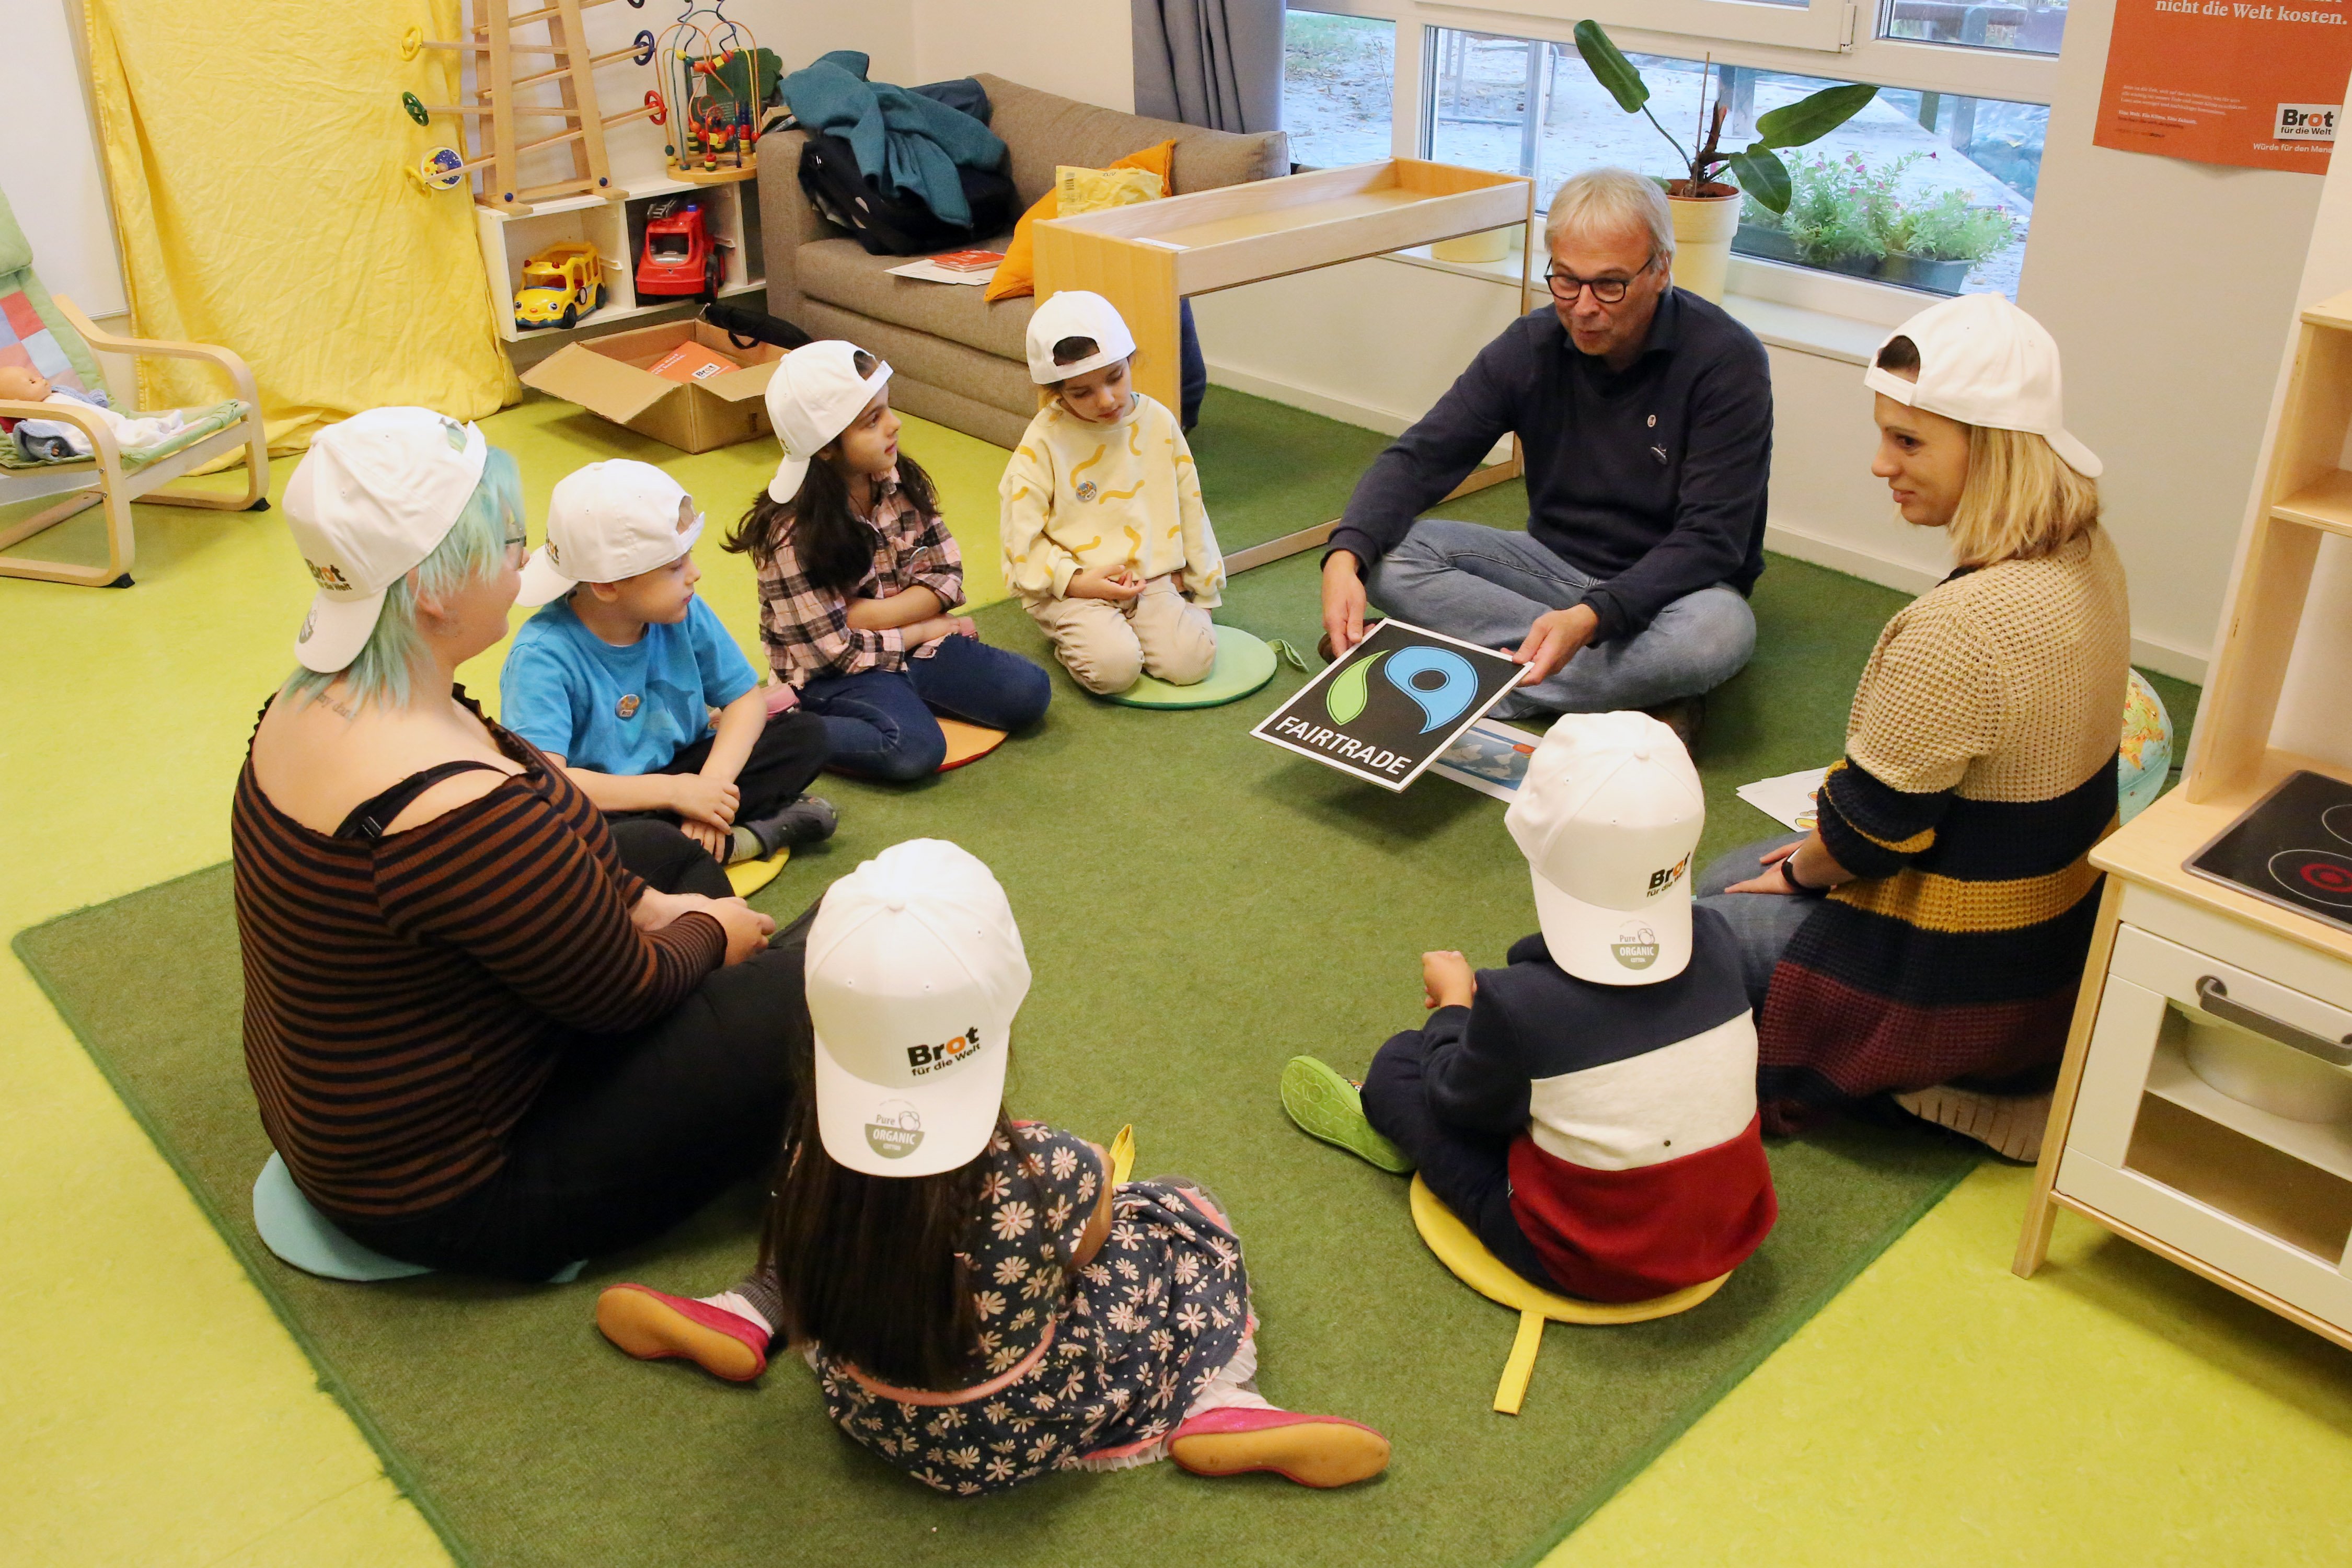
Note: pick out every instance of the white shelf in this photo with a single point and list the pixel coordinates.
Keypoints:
(614, 224)
(2326, 1145)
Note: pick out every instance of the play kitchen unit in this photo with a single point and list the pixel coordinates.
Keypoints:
(2205, 1106)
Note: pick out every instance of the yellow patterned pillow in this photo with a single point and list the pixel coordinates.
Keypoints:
(1077, 191)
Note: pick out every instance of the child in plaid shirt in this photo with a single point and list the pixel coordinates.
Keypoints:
(857, 575)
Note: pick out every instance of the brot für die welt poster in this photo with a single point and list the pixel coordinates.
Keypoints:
(2250, 82)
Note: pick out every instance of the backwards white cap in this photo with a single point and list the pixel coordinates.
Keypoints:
(374, 497)
(915, 971)
(813, 396)
(1982, 361)
(1609, 819)
(607, 522)
(1075, 313)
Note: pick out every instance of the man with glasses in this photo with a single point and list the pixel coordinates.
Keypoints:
(1646, 416)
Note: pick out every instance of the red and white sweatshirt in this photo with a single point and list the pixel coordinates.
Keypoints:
(1639, 1166)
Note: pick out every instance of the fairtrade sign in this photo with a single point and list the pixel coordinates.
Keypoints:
(1389, 708)
(2257, 83)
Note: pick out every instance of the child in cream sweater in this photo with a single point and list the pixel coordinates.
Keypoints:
(1104, 537)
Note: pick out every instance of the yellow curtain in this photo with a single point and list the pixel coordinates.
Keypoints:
(254, 153)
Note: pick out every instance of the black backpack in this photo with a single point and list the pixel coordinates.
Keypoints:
(897, 225)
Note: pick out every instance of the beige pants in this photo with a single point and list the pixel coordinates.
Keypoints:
(1106, 643)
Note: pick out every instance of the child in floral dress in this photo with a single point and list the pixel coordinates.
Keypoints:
(980, 1305)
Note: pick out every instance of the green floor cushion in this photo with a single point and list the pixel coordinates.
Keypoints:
(1243, 664)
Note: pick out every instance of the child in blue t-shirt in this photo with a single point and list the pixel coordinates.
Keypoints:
(618, 678)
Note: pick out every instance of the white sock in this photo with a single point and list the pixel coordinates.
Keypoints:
(730, 1301)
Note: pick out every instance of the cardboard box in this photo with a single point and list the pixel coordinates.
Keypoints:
(613, 376)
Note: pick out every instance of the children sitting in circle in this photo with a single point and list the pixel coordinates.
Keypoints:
(859, 576)
(982, 1304)
(616, 677)
(1104, 537)
(1589, 1112)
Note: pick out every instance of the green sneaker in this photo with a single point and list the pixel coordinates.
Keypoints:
(1329, 1106)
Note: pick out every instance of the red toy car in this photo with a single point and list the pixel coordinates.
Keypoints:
(680, 258)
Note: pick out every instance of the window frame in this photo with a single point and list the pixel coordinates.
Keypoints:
(1905, 64)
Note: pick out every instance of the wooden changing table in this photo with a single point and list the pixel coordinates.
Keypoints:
(1146, 257)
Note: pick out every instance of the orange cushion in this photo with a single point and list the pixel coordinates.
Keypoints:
(1016, 275)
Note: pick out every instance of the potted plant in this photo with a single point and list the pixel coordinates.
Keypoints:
(1842, 215)
(1707, 208)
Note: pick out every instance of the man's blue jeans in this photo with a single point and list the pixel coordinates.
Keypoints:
(878, 722)
(1487, 585)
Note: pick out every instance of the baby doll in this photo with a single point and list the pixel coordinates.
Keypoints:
(61, 438)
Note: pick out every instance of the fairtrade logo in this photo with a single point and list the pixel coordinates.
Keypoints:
(921, 1060)
(330, 577)
(1455, 684)
(1661, 881)
(454, 433)
(628, 706)
(894, 1131)
(1087, 490)
(310, 624)
(1636, 947)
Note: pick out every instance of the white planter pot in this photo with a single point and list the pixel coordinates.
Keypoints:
(1702, 229)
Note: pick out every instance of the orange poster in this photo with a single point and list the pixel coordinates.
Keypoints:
(2226, 82)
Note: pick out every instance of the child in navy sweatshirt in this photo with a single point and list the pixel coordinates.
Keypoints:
(1589, 1110)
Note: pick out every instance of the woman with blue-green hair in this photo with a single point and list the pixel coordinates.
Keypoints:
(487, 1031)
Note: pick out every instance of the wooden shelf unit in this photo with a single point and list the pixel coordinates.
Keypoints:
(1146, 257)
(2258, 1202)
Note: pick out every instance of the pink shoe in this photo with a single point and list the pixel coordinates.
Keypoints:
(1313, 1450)
(652, 1326)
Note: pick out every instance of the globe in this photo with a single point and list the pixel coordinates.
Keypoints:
(2146, 760)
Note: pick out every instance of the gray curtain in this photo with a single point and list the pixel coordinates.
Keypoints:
(1216, 63)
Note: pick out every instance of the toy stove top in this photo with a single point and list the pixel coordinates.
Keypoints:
(2293, 847)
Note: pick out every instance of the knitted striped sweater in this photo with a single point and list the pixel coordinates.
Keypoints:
(1979, 771)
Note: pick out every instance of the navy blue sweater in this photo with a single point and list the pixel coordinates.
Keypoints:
(1652, 481)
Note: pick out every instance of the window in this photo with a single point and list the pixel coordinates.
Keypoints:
(1930, 188)
(1922, 190)
(1339, 86)
(2029, 26)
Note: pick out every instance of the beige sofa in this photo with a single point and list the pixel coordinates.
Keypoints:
(956, 358)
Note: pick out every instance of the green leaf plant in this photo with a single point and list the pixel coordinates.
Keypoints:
(1762, 177)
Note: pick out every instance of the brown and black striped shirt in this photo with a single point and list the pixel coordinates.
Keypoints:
(406, 999)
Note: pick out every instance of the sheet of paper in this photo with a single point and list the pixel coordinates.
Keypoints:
(1787, 799)
(1490, 756)
(924, 271)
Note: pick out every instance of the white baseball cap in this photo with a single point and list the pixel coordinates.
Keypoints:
(814, 394)
(1982, 361)
(1075, 313)
(915, 970)
(607, 522)
(1609, 819)
(372, 496)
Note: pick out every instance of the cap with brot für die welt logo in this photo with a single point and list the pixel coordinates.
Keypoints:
(915, 970)
(374, 495)
(1609, 819)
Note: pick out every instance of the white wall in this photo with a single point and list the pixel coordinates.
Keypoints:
(2170, 287)
(1079, 48)
(48, 156)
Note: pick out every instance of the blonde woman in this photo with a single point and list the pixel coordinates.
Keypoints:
(1928, 937)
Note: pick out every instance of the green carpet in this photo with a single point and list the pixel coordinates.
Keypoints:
(1198, 906)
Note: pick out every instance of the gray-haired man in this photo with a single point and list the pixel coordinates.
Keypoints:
(1645, 413)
